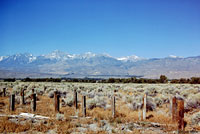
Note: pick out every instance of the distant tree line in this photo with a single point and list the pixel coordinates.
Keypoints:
(9, 80)
(41, 79)
(162, 79)
(193, 80)
(85, 80)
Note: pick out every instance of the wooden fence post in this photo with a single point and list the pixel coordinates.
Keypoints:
(140, 113)
(174, 109)
(144, 106)
(12, 102)
(33, 102)
(57, 101)
(22, 97)
(4, 92)
(75, 100)
(113, 106)
(84, 105)
(45, 88)
(180, 116)
(33, 91)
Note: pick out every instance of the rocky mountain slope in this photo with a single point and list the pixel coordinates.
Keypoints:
(61, 64)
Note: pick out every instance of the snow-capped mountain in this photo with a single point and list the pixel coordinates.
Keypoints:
(132, 58)
(174, 56)
(18, 59)
(58, 55)
(86, 55)
(61, 64)
(2, 58)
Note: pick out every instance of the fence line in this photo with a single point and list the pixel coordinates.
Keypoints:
(176, 109)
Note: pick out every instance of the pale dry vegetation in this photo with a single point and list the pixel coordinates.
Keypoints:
(99, 115)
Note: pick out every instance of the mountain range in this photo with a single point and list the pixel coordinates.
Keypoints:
(61, 64)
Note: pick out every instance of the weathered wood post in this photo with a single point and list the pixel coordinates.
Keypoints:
(4, 92)
(22, 97)
(84, 105)
(12, 102)
(113, 106)
(57, 101)
(144, 106)
(174, 109)
(75, 99)
(140, 113)
(33, 102)
(45, 88)
(180, 116)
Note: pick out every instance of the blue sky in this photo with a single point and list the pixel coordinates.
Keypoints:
(147, 28)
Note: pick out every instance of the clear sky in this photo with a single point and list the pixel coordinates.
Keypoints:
(146, 28)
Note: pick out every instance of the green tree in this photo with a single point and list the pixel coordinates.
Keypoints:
(163, 79)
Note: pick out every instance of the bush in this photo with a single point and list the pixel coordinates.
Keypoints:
(60, 117)
(68, 101)
(96, 102)
(91, 104)
(158, 101)
(151, 105)
(135, 105)
(196, 118)
(51, 94)
(193, 102)
(138, 103)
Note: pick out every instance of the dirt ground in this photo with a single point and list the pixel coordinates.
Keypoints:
(98, 120)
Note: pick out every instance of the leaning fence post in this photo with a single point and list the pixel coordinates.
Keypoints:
(33, 102)
(12, 102)
(75, 100)
(140, 113)
(84, 105)
(113, 106)
(57, 101)
(174, 109)
(4, 92)
(144, 106)
(22, 97)
(180, 116)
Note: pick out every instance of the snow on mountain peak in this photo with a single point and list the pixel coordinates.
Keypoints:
(62, 56)
(56, 54)
(32, 58)
(129, 58)
(85, 55)
(2, 57)
(174, 56)
(89, 54)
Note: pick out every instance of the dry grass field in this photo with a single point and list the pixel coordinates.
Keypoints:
(99, 118)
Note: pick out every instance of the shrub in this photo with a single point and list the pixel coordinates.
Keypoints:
(68, 101)
(151, 105)
(39, 91)
(96, 102)
(158, 102)
(135, 105)
(60, 117)
(91, 103)
(193, 102)
(138, 104)
(196, 118)
(51, 94)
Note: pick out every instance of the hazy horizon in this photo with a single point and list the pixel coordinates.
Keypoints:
(140, 56)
